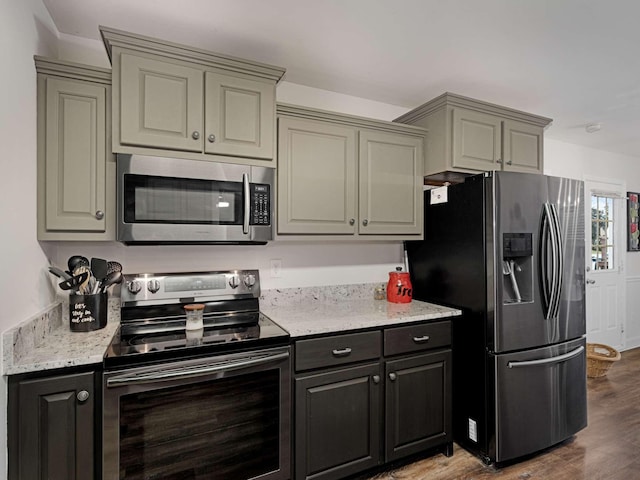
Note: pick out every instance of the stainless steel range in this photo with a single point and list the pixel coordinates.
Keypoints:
(196, 404)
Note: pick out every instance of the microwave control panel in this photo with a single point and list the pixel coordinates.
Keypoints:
(260, 204)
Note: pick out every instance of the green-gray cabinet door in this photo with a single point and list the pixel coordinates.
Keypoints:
(390, 183)
(337, 422)
(239, 116)
(477, 141)
(316, 177)
(418, 404)
(522, 147)
(54, 431)
(161, 104)
(75, 154)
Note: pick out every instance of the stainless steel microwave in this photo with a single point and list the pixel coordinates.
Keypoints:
(178, 201)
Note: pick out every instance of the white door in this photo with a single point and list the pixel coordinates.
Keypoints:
(605, 250)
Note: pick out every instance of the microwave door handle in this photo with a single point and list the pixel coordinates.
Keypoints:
(247, 203)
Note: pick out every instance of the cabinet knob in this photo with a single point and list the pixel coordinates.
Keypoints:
(352, 221)
(591, 282)
(99, 214)
(211, 138)
(509, 162)
(376, 379)
(392, 376)
(195, 135)
(82, 396)
(365, 222)
(499, 160)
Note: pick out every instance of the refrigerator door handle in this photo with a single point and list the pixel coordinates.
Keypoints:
(547, 361)
(555, 222)
(547, 259)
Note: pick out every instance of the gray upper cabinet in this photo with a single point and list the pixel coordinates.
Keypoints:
(347, 177)
(76, 170)
(170, 99)
(160, 104)
(468, 136)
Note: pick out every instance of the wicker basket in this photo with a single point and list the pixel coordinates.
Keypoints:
(599, 358)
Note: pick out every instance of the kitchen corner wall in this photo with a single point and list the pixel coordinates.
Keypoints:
(26, 29)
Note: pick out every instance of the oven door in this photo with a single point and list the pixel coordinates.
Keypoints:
(225, 417)
(167, 200)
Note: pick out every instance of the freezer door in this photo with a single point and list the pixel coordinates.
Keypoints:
(541, 398)
(535, 253)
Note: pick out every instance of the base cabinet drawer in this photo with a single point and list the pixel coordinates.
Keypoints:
(337, 350)
(337, 422)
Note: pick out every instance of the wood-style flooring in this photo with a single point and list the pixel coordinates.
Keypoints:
(608, 449)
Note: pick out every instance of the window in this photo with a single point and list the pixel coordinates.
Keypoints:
(602, 232)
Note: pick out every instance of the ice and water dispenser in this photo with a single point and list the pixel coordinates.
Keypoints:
(517, 268)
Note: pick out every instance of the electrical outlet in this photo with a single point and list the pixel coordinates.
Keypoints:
(276, 268)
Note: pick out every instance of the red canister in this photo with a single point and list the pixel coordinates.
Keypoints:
(399, 287)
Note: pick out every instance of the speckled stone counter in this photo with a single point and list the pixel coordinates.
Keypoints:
(45, 341)
(325, 310)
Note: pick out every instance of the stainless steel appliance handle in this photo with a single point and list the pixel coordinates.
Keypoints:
(554, 261)
(544, 260)
(547, 361)
(194, 370)
(247, 203)
(559, 259)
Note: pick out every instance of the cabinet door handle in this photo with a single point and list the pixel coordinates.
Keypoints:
(352, 221)
(392, 376)
(195, 135)
(99, 214)
(342, 353)
(82, 396)
(376, 379)
(365, 222)
(211, 138)
(509, 162)
(423, 339)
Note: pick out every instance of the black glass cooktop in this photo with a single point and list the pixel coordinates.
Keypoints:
(142, 341)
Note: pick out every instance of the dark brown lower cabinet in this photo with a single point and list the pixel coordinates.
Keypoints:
(369, 398)
(337, 422)
(418, 404)
(52, 427)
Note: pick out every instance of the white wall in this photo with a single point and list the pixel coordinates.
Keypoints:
(25, 29)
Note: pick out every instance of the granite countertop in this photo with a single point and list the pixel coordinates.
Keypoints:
(320, 311)
(45, 341)
(318, 318)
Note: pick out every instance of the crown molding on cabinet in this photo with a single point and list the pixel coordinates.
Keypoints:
(76, 71)
(118, 38)
(345, 119)
(455, 100)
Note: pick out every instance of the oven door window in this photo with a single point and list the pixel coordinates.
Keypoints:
(225, 429)
(151, 199)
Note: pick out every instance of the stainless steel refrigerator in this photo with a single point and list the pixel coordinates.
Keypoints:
(508, 249)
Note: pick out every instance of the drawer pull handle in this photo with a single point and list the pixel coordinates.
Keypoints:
(423, 339)
(342, 353)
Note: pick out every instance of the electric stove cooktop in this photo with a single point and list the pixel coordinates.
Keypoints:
(153, 324)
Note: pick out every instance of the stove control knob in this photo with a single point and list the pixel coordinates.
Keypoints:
(234, 281)
(249, 280)
(134, 286)
(153, 286)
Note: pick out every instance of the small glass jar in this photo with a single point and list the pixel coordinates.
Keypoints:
(379, 293)
(194, 313)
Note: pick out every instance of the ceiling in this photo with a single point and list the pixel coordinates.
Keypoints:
(575, 61)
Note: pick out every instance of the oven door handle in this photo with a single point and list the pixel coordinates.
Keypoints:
(246, 194)
(193, 371)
